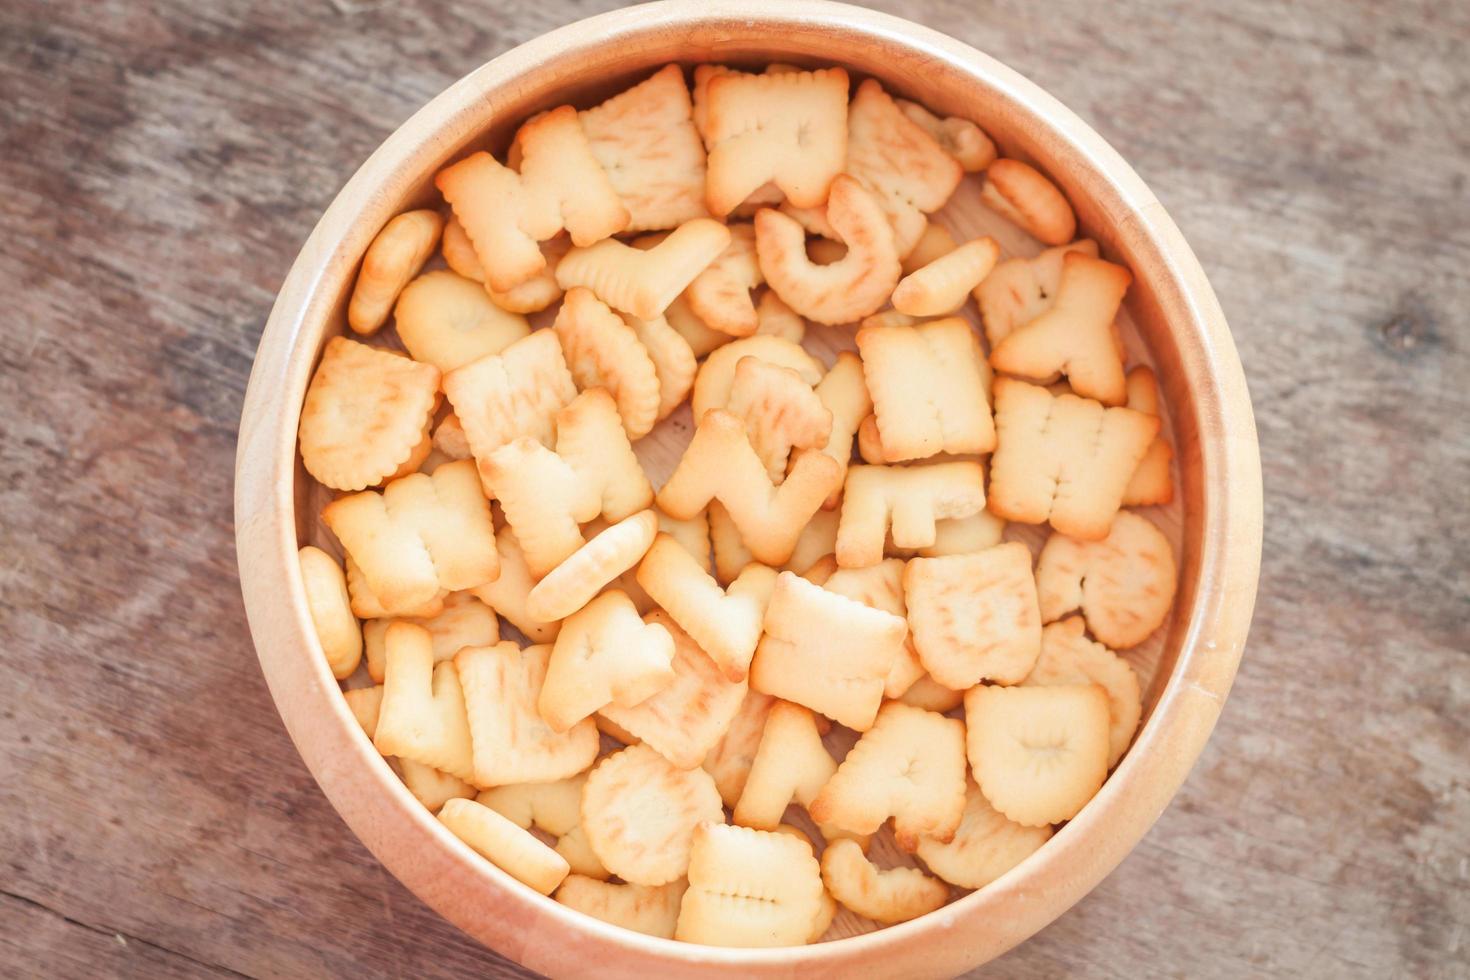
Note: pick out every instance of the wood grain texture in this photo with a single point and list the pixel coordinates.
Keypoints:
(163, 165)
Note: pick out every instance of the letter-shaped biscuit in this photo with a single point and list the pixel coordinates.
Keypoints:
(929, 385)
(1075, 336)
(422, 714)
(531, 296)
(560, 185)
(1038, 753)
(1123, 584)
(941, 286)
(975, 617)
(420, 535)
(959, 536)
(935, 243)
(749, 888)
(643, 282)
(929, 694)
(985, 846)
(603, 351)
(683, 720)
(515, 393)
(604, 654)
(1069, 657)
(826, 651)
(507, 595)
(364, 414)
(336, 628)
(1019, 193)
(692, 534)
(646, 143)
(1019, 290)
(726, 624)
(789, 129)
(910, 766)
(720, 295)
(393, 258)
(449, 321)
(556, 808)
(844, 392)
(572, 584)
(366, 605)
(730, 760)
(464, 621)
(773, 318)
(650, 909)
(673, 361)
(512, 742)
(1151, 483)
(719, 464)
(430, 786)
(1064, 459)
(450, 440)
(717, 374)
(961, 139)
(515, 851)
(906, 501)
(640, 813)
(880, 586)
(791, 765)
(842, 291)
(781, 412)
(904, 165)
(818, 540)
(891, 896)
(547, 495)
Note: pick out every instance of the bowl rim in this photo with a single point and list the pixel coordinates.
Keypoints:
(513, 919)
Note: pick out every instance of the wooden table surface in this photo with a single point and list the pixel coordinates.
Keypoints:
(163, 161)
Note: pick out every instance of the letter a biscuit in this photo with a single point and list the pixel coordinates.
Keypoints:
(910, 766)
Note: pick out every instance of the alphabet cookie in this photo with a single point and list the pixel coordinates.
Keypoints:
(975, 617)
(1123, 584)
(1063, 459)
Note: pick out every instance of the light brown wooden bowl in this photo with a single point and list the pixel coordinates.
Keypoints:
(1177, 325)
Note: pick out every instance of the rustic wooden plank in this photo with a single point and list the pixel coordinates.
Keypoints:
(35, 935)
(162, 164)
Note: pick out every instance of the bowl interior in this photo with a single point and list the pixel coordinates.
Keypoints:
(1171, 323)
(1144, 326)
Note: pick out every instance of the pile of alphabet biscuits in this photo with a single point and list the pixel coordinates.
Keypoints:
(622, 694)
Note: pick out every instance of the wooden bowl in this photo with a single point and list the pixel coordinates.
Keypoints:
(1177, 325)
